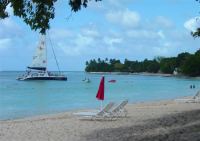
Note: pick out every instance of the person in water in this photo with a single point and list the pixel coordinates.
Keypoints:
(192, 86)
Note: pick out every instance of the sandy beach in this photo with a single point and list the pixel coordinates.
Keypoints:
(163, 120)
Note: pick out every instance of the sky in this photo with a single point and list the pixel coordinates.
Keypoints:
(131, 29)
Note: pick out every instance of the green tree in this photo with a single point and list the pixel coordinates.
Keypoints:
(127, 65)
(168, 65)
(87, 63)
(37, 13)
(106, 60)
(118, 67)
(185, 63)
(153, 66)
(191, 66)
(181, 58)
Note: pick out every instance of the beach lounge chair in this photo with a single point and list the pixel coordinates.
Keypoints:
(105, 112)
(194, 99)
(119, 111)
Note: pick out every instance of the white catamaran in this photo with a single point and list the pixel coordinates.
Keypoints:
(38, 69)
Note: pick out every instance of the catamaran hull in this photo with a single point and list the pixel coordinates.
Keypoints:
(44, 78)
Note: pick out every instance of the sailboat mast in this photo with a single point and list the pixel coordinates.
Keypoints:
(54, 53)
(46, 50)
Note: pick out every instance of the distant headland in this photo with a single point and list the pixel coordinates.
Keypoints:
(183, 64)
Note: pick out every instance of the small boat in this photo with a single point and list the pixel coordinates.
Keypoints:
(38, 68)
(112, 81)
(86, 80)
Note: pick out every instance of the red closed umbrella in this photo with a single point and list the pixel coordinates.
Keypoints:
(100, 93)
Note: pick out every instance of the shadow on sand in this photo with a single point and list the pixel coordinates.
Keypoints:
(183, 126)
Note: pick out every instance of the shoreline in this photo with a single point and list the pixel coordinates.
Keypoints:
(144, 74)
(86, 109)
(66, 126)
(139, 73)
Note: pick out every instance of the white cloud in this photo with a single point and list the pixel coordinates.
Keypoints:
(163, 22)
(5, 43)
(145, 34)
(125, 18)
(80, 44)
(161, 34)
(10, 35)
(192, 24)
(70, 50)
(115, 3)
(9, 28)
(90, 32)
(83, 40)
(160, 51)
(8, 23)
(112, 40)
(58, 33)
(90, 42)
(118, 3)
(141, 34)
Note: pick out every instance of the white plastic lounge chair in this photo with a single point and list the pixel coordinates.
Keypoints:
(93, 115)
(194, 99)
(119, 111)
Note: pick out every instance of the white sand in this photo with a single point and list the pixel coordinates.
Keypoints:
(67, 127)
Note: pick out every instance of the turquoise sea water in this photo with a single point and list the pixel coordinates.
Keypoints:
(19, 99)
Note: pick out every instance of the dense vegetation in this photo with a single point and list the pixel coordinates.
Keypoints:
(184, 63)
